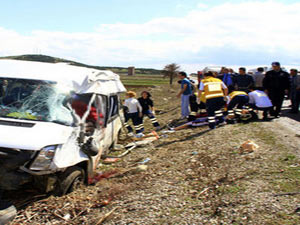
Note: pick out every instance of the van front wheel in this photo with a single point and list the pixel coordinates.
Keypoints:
(71, 179)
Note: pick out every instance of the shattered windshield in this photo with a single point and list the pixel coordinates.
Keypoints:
(34, 100)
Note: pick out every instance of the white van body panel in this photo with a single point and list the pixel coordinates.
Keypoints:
(79, 79)
(69, 154)
(42, 134)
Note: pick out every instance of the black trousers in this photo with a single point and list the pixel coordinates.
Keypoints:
(135, 120)
(265, 110)
(238, 102)
(214, 110)
(276, 98)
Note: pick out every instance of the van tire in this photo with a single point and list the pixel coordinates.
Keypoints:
(71, 179)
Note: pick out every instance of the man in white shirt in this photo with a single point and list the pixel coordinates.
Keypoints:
(259, 100)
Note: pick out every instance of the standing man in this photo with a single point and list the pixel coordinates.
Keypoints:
(243, 81)
(185, 92)
(227, 79)
(214, 91)
(294, 90)
(276, 84)
(258, 78)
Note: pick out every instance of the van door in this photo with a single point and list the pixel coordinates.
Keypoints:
(113, 116)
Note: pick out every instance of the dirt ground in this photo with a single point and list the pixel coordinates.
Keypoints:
(193, 176)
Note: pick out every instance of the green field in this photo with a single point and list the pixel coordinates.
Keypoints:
(144, 80)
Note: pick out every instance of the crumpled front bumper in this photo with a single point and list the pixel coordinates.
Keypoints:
(11, 177)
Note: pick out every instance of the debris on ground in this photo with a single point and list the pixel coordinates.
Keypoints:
(145, 161)
(7, 212)
(106, 216)
(248, 147)
(111, 160)
(102, 175)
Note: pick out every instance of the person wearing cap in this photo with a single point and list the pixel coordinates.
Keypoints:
(294, 90)
(185, 92)
(148, 109)
(243, 81)
(276, 84)
(214, 91)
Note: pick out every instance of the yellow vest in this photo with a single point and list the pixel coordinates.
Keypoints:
(212, 87)
(236, 93)
(202, 98)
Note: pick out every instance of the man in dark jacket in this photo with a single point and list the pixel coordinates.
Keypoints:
(243, 81)
(276, 84)
(294, 90)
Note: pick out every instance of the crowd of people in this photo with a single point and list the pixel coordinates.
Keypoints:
(224, 97)
(233, 97)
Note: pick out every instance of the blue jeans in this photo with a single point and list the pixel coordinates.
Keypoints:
(185, 102)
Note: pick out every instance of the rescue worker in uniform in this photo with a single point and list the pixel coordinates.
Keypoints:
(193, 107)
(237, 102)
(197, 110)
(276, 84)
(133, 112)
(214, 91)
(148, 109)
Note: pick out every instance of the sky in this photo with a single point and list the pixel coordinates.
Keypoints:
(153, 33)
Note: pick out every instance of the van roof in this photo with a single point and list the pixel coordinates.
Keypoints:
(79, 79)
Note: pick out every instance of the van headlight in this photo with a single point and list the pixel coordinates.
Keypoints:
(44, 158)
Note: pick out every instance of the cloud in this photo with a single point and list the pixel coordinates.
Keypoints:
(202, 6)
(246, 33)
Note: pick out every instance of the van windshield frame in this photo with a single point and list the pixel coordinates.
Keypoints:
(37, 100)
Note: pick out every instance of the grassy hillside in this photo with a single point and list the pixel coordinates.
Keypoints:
(50, 59)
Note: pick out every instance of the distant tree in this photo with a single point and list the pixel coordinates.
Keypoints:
(171, 70)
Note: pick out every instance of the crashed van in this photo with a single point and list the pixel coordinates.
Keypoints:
(56, 120)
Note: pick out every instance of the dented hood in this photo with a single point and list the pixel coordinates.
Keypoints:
(32, 135)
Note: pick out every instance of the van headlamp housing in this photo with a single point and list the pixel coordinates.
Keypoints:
(44, 158)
